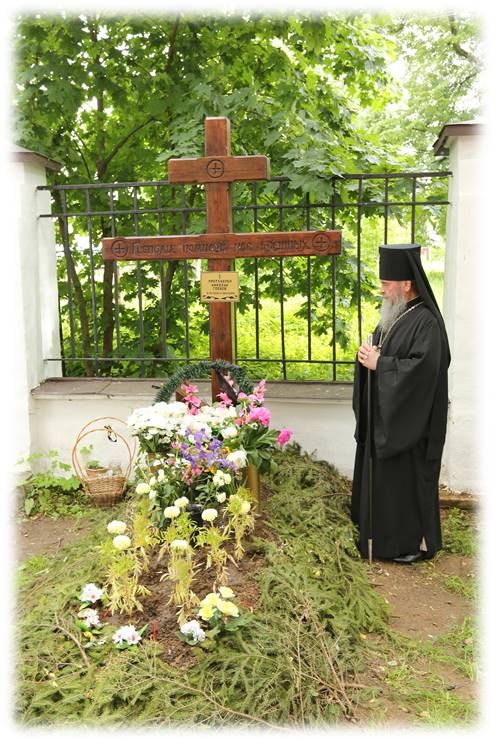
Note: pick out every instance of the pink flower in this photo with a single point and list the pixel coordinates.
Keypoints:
(259, 391)
(188, 392)
(259, 414)
(224, 399)
(284, 436)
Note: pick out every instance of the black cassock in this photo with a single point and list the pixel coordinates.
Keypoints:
(409, 414)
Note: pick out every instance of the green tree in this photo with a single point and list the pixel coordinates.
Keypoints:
(113, 97)
(437, 74)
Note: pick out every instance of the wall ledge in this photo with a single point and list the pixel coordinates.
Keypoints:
(112, 388)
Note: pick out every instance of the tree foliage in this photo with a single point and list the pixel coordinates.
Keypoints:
(113, 97)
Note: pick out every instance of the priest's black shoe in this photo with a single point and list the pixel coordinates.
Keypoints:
(410, 558)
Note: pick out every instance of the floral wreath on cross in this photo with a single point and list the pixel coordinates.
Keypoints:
(200, 370)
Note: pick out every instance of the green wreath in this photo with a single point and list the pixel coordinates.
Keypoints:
(200, 370)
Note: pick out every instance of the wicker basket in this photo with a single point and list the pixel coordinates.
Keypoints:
(104, 490)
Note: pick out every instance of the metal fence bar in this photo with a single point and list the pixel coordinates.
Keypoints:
(134, 206)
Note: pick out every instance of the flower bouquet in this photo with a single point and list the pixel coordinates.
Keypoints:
(200, 451)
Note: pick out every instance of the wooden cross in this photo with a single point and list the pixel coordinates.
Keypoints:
(217, 170)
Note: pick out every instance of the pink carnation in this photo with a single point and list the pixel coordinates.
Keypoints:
(259, 414)
(284, 436)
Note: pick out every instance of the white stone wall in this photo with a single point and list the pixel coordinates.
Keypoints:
(322, 424)
(30, 311)
(462, 464)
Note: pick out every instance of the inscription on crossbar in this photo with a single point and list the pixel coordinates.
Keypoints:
(229, 245)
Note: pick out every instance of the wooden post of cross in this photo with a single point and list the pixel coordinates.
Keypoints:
(218, 170)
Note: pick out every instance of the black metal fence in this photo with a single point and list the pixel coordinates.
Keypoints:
(297, 318)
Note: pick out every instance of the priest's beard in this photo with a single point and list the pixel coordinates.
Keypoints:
(390, 311)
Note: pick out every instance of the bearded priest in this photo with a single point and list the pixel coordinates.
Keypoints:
(400, 401)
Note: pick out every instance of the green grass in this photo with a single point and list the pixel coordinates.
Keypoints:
(459, 533)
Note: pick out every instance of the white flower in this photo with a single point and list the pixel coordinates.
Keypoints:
(121, 542)
(91, 593)
(244, 507)
(116, 526)
(152, 481)
(238, 458)
(221, 496)
(209, 514)
(171, 511)
(193, 628)
(179, 543)
(142, 488)
(127, 634)
(221, 478)
(152, 494)
(231, 431)
(181, 502)
(90, 617)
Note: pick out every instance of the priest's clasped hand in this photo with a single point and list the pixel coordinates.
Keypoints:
(368, 356)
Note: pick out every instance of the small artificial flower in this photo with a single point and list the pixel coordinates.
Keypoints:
(90, 617)
(127, 634)
(181, 502)
(142, 488)
(116, 526)
(221, 478)
(171, 511)
(194, 629)
(91, 593)
(121, 542)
